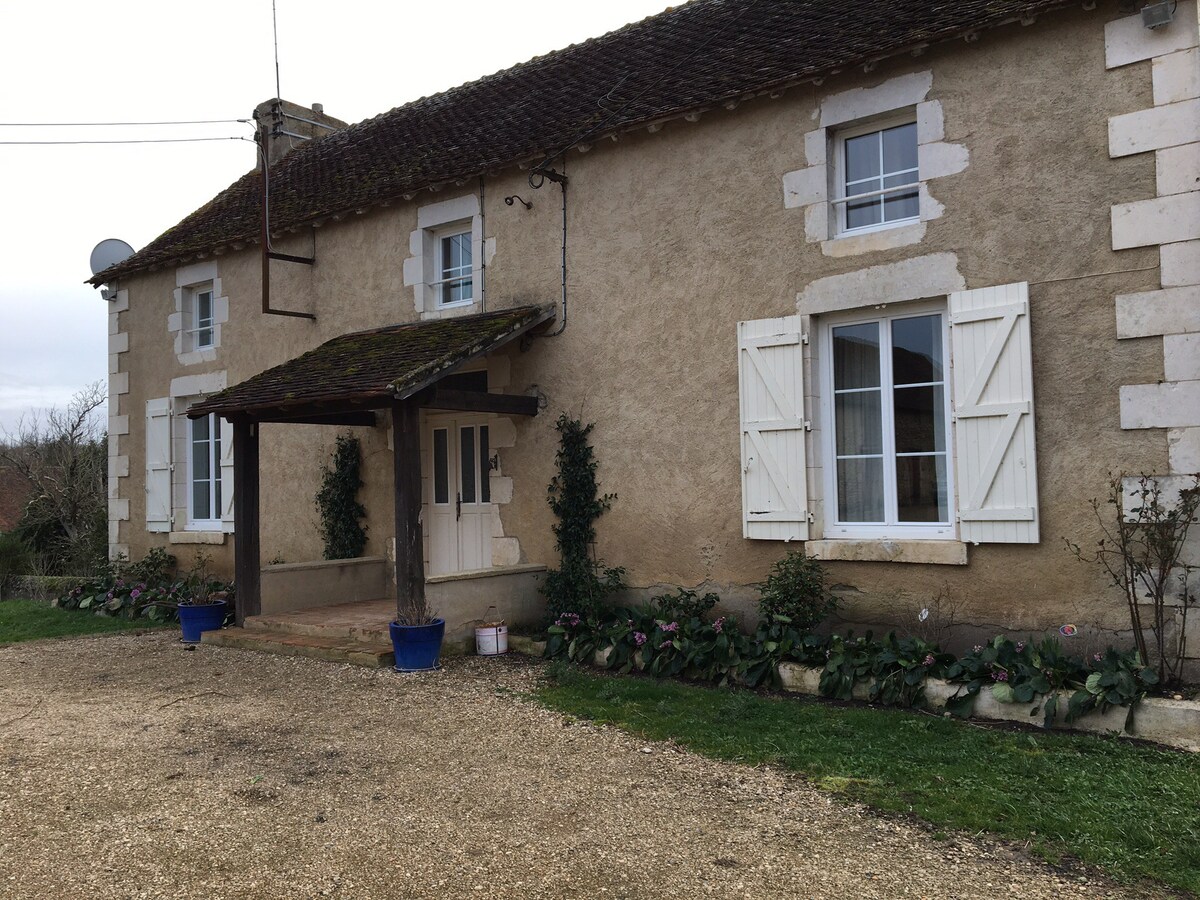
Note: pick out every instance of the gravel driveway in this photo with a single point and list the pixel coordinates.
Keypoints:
(133, 767)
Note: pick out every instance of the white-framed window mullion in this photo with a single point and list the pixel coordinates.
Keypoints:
(891, 510)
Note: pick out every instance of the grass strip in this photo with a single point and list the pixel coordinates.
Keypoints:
(1133, 810)
(30, 620)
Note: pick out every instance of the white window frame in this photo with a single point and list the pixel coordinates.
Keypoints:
(202, 325)
(841, 198)
(443, 283)
(892, 529)
(214, 452)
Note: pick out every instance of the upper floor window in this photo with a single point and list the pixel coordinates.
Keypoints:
(886, 380)
(456, 283)
(876, 176)
(202, 325)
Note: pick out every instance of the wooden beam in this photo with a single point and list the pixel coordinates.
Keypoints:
(406, 469)
(366, 419)
(478, 401)
(246, 557)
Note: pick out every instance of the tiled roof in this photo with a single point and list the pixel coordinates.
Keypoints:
(702, 53)
(366, 369)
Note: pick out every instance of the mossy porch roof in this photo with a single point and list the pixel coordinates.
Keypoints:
(368, 369)
(690, 57)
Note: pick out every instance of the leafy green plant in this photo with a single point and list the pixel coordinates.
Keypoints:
(1114, 679)
(896, 668)
(581, 584)
(342, 531)
(150, 588)
(683, 604)
(796, 589)
(776, 640)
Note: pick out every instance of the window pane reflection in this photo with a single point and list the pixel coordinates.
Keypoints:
(921, 489)
(856, 356)
(860, 490)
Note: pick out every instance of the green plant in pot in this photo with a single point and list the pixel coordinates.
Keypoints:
(202, 601)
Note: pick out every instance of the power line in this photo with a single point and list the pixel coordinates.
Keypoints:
(137, 141)
(102, 124)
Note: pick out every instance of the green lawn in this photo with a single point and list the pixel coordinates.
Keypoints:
(1131, 809)
(29, 620)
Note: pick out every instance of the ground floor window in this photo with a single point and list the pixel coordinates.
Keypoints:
(204, 473)
(888, 407)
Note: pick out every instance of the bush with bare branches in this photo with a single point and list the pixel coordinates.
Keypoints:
(1141, 550)
(63, 455)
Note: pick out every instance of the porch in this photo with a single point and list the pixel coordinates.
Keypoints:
(405, 372)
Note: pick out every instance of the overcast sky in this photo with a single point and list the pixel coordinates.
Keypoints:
(148, 60)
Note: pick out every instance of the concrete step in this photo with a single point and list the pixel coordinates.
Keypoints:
(366, 622)
(337, 648)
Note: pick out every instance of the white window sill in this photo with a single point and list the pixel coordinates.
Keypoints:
(196, 537)
(940, 553)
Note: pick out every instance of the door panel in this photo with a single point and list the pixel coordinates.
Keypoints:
(459, 501)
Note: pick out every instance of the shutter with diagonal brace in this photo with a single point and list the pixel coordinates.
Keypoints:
(158, 464)
(993, 399)
(226, 475)
(771, 386)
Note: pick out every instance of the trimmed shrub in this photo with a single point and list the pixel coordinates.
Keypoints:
(796, 590)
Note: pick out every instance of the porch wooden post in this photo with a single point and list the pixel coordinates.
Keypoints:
(246, 563)
(406, 466)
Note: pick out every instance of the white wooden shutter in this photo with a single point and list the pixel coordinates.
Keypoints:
(226, 475)
(158, 464)
(771, 384)
(996, 467)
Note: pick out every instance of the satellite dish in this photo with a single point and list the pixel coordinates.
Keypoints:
(108, 253)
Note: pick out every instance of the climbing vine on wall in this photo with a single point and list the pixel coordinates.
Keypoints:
(337, 501)
(581, 583)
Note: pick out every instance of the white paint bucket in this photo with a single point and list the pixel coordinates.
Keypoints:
(491, 639)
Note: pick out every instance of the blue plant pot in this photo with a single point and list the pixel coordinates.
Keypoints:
(417, 647)
(195, 620)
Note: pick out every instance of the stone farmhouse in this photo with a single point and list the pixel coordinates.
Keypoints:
(897, 283)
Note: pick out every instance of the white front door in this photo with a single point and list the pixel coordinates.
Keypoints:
(460, 503)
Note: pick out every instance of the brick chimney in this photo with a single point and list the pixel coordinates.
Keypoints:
(288, 125)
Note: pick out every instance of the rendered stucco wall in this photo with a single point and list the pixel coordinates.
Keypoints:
(677, 235)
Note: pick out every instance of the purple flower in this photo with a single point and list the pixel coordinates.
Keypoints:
(929, 660)
(670, 626)
(568, 620)
(719, 625)
(1098, 657)
(110, 595)
(1000, 675)
(134, 594)
(639, 638)
(665, 644)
